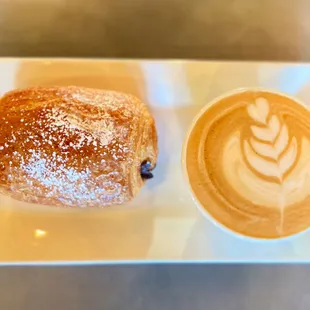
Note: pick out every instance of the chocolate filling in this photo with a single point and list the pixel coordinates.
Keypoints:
(145, 170)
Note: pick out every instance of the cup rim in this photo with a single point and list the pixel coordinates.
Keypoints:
(198, 204)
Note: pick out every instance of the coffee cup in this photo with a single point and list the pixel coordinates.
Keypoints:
(246, 158)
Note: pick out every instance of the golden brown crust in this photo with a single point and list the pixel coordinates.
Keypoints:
(76, 147)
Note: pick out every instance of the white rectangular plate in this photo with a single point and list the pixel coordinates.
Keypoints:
(162, 224)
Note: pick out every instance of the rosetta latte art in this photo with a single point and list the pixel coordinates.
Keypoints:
(273, 154)
(250, 169)
(269, 152)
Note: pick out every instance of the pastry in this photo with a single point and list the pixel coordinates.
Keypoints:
(75, 147)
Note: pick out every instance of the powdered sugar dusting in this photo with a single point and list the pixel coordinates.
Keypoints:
(88, 131)
(70, 146)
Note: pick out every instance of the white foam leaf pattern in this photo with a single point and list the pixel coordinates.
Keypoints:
(272, 150)
(259, 164)
(274, 125)
(268, 133)
(288, 159)
(263, 149)
(259, 111)
(282, 140)
(270, 140)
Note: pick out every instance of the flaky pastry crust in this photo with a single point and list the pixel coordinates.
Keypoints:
(75, 147)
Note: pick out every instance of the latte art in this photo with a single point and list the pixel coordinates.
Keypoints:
(248, 162)
(269, 151)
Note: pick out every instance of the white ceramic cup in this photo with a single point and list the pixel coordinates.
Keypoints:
(204, 210)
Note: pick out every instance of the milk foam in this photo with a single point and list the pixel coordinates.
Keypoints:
(268, 153)
(261, 191)
(253, 160)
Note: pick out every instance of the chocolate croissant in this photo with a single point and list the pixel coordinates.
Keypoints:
(75, 147)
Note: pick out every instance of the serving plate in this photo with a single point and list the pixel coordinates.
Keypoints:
(162, 224)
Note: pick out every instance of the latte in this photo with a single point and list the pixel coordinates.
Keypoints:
(247, 158)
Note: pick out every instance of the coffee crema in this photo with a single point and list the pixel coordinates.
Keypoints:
(248, 163)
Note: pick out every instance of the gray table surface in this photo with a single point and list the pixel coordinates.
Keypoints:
(204, 29)
(220, 29)
(181, 287)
